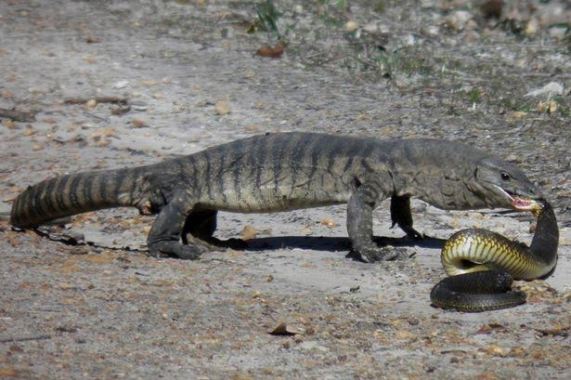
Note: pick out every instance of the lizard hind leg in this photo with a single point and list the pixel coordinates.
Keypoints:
(166, 232)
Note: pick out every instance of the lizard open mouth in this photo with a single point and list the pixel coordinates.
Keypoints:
(524, 204)
(521, 204)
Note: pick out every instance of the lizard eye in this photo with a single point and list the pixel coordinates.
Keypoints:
(505, 176)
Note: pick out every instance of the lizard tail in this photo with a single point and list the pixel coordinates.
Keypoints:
(76, 193)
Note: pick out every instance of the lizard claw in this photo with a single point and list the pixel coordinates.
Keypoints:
(373, 254)
(175, 249)
(413, 234)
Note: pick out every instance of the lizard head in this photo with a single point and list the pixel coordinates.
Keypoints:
(502, 184)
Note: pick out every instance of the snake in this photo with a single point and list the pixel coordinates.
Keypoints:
(483, 264)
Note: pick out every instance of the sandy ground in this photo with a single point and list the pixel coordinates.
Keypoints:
(189, 70)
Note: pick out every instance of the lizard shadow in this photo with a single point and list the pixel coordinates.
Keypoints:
(322, 243)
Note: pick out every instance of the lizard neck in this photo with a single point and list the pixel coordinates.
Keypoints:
(437, 173)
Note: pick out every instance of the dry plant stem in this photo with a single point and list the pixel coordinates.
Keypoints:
(98, 99)
(25, 339)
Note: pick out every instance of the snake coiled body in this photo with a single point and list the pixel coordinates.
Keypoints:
(484, 263)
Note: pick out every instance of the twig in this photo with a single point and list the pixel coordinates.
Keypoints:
(75, 241)
(25, 339)
(15, 115)
(98, 99)
(123, 104)
(96, 117)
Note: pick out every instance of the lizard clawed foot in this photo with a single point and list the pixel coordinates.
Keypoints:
(176, 249)
(371, 254)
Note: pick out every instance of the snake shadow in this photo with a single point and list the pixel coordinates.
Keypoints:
(322, 243)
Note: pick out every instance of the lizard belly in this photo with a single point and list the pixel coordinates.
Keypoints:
(273, 196)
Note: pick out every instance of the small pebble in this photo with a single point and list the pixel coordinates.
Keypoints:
(351, 26)
(139, 106)
(121, 84)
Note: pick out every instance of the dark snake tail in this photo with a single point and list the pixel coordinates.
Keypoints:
(471, 292)
(483, 263)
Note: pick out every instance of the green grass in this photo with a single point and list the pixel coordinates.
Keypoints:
(474, 95)
(268, 16)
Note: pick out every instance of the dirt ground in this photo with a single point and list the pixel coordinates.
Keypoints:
(494, 77)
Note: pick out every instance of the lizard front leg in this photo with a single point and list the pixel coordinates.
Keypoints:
(200, 226)
(401, 216)
(165, 234)
(360, 222)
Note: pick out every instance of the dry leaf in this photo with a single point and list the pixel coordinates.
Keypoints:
(487, 376)
(495, 350)
(162, 283)
(516, 116)
(66, 286)
(252, 128)
(7, 94)
(89, 59)
(518, 352)
(118, 111)
(271, 52)
(486, 329)
(248, 233)
(8, 372)
(404, 335)
(8, 123)
(555, 331)
(241, 376)
(12, 238)
(26, 285)
(328, 222)
(222, 107)
(531, 28)
(102, 133)
(102, 258)
(69, 266)
(257, 294)
(29, 132)
(149, 82)
(138, 123)
(69, 301)
(92, 40)
(549, 106)
(351, 26)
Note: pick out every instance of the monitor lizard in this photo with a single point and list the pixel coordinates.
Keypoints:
(285, 171)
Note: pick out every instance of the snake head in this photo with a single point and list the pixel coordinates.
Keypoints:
(503, 184)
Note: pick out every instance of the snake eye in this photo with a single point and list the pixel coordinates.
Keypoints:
(505, 176)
